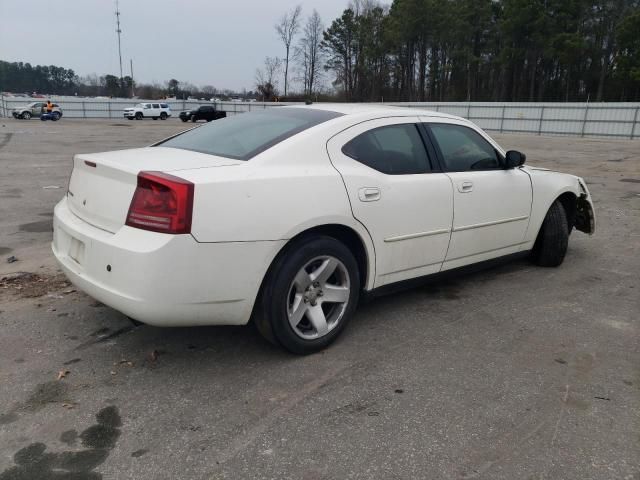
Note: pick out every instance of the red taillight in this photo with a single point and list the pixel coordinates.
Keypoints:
(161, 203)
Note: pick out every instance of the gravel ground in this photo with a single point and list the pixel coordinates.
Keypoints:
(513, 372)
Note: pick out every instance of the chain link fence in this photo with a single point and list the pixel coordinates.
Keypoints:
(621, 120)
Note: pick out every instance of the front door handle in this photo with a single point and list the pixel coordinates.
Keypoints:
(369, 194)
(465, 187)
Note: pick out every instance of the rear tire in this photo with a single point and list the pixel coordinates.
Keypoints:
(163, 116)
(553, 239)
(55, 116)
(309, 295)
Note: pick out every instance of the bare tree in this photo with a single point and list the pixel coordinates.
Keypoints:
(266, 78)
(287, 28)
(309, 52)
(209, 90)
(362, 7)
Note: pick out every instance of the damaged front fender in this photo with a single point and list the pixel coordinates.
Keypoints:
(585, 219)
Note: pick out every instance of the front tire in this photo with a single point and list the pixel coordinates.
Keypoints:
(139, 115)
(26, 116)
(553, 239)
(310, 295)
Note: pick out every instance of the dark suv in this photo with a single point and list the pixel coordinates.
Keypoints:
(203, 112)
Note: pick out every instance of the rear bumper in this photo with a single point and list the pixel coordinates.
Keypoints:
(160, 279)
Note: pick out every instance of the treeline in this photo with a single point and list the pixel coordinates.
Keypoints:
(486, 50)
(19, 77)
(418, 50)
(23, 77)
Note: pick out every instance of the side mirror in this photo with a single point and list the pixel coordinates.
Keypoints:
(514, 159)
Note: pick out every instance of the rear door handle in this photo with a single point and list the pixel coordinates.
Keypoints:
(465, 187)
(369, 194)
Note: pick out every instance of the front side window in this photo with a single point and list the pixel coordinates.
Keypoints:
(463, 149)
(246, 135)
(393, 149)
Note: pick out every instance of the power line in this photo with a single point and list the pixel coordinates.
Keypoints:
(118, 31)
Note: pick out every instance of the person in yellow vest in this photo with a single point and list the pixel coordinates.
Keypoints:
(49, 106)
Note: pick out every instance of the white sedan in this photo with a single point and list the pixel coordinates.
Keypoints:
(288, 216)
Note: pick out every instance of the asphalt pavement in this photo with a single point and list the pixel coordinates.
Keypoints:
(516, 372)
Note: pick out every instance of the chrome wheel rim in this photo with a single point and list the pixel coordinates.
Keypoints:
(318, 297)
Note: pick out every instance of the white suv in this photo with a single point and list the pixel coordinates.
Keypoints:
(156, 111)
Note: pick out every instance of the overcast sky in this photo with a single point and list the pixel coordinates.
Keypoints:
(206, 42)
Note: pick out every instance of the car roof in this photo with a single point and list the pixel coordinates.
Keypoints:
(375, 110)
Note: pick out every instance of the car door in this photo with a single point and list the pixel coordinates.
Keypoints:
(155, 110)
(206, 112)
(491, 204)
(404, 203)
(36, 110)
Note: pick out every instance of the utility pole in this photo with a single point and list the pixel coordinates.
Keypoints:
(133, 93)
(118, 31)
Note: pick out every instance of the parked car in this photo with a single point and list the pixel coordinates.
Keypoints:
(156, 111)
(203, 112)
(290, 215)
(35, 109)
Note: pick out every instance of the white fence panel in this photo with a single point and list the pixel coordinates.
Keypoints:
(581, 119)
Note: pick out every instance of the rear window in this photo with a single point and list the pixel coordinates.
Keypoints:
(244, 136)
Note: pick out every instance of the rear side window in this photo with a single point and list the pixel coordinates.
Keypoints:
(155, 105)
(463, 149)
(393, 149)
(246, 135)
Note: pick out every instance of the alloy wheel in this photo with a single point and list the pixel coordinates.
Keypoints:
(318, 297)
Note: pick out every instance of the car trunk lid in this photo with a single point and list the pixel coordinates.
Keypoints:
(102, 184)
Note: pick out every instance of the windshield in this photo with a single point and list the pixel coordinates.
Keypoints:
(243, 136)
